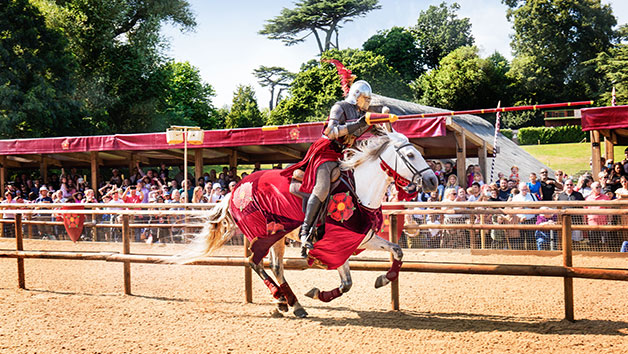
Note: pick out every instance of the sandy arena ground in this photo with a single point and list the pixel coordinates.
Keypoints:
(78, 307)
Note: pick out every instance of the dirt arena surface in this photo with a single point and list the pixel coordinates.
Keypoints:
(78, 307)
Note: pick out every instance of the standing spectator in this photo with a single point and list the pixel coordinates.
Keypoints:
(596, 237)
(570, 194)
(525, 195)
(535, 185)
(232, 185)
(504, 191)
(584, 185)
(544, 238)
(548, 186)
(514, 174)
(461, 195)
(474, 194)
(615, 175)
(448, 170)
(452, 183)
(478, 178)
(197, 195)
(625, 162)
(9, 229)
(116, 179)
(469, 174)
(44, 230)
(561, 176)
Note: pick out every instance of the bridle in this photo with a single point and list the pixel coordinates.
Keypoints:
(401, 182)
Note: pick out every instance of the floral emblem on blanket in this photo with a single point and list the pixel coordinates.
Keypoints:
(274, 227)
(243, 195)
(341, 207)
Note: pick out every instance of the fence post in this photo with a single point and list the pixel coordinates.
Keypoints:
(567, 262)
(126, 249)
(483, 232)
(94, 228)
(29, 227)
(19, 246)
(248, 273)
(394, 238)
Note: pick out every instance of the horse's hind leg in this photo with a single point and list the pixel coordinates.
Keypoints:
(345, 285)
(379, 244)
(288, 298)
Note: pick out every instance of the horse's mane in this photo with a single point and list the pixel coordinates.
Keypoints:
(369, 148)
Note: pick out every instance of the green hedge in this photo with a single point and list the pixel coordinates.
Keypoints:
(551, 135)
(507, 133)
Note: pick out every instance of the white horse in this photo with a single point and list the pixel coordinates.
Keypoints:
(376, 162)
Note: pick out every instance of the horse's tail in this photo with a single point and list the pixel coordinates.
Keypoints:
(219, 228)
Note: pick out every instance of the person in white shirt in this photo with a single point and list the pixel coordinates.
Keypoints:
(527, 236)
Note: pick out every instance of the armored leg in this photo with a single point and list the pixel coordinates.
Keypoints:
(314, 204)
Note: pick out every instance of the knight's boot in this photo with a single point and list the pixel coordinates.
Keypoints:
(311, 211)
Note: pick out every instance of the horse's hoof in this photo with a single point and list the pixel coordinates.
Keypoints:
(313, 293)
(300, 312)
(381, 281)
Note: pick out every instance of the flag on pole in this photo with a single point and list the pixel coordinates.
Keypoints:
(497, 123)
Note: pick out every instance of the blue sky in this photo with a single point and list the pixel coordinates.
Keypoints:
(225, 46)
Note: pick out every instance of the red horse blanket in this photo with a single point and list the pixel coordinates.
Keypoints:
(265, 210)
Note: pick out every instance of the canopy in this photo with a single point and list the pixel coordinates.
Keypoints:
(602, 118)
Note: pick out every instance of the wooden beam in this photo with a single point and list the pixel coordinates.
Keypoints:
(3, 177)
(286, 151)
(482, 161)
(198, 164)
(609, 149)
(596, 156)
(43, 169)
(94, 169)
(461, 158)
(233, 159)
(241, 155)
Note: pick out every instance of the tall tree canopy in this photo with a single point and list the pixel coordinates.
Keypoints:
(36, 76)
(273, 77)
(244, 110)
(398, 46)
(553, 43)
(439, 31)
(321, 18)
(463, 80)
(122, 80)
(317, 86)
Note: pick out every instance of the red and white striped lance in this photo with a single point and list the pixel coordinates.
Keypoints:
(497, 126)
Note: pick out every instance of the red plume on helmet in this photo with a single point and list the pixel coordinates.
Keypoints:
(346, 77)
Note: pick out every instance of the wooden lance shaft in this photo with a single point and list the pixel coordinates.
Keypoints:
(501, 109)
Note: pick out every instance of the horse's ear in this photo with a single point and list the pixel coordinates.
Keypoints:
(379, 130)
(387, 127)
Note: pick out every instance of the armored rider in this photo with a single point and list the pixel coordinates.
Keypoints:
(345, 124)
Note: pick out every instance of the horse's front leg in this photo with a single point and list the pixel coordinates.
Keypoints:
(379, 244)
(345, 285)
(288, 298)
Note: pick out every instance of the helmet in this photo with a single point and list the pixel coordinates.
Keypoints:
(360, 94)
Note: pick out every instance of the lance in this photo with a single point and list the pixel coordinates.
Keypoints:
(389, 118)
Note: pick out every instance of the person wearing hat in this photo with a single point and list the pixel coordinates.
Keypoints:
(43, 196)
(216, 195)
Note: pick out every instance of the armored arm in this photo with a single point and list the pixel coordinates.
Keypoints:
(338, 127)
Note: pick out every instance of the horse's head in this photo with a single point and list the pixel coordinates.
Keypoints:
(404, 163)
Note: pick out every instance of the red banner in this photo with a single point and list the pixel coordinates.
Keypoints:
(74, 222)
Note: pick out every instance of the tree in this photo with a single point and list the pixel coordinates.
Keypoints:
(439, 31)
(317, 86)
(316, 17)
(36, 72)
(118, 48)
(553, 44)
(398, 46)
(186, 98)
(244, 110)
(613, 67)
(273, 77)
(463, 80)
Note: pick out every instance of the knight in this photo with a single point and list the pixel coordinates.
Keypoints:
(320, 167)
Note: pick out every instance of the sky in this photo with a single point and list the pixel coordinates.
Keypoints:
(226, 46)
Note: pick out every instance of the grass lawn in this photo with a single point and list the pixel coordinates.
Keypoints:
(570, 158)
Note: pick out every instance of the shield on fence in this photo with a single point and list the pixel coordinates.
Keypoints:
(73, 222)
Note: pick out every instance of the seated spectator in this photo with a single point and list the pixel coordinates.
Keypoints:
(475, 194)
(596, 237)
(452, 183)
(216, 195)
(615, 175)
(469, 174)
(453, 238)
(197, 195)
(622, 192)
(543, 237)
(584, 185)
(478, 178)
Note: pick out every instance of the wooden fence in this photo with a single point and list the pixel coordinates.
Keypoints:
(565, 211)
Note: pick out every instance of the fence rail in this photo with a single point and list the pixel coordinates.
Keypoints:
(563, 223)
